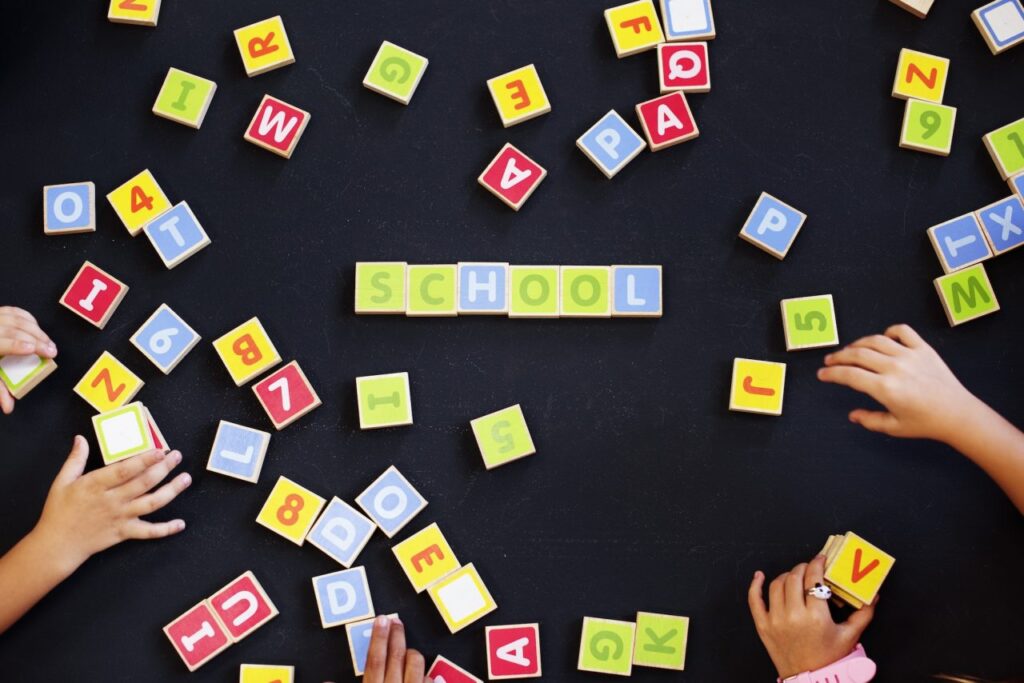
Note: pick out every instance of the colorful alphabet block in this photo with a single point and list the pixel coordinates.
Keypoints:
(247, 351)
(534, 291)
(136, 12)
(391, 501)
(184, 98)
(384, 401)
(238, 451)
(381, 288)
(176, 235)
(503, 436)
(197, 636)
(242, 606)
(462, 598)
(22, 374)
(919, 8)
(123, 432)
(1003, 224)
(634, 27)
(444, 669)
(688, 20)
(966, 294)
(1001, 24)
(266, 673)
(69, 209)
(1006, 146)
(512, 176)
(159, 442)
(920, 76)
(165, 339)
(286, 395)
(519, 95)
(433, 291)
(859, 568)
(264, 46)
(108, 384)
(513, 651)
(94, 295)
(667, 120)
(585, 292)
(341, 532)
(757, 386)
(959, 243)
(684, 67)
(138, 201)
(636, 292)
(277, 126)
(426, 557)
(1017, 185)
(290, 510)
(928, 127)
(395, 72)
(343, 597)
(611, 144)
(606, 646)
(809, 322)
(359, 634)
(772, 226)
(661, 641)
(483, 289)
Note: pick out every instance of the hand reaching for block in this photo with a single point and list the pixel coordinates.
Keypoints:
(387, 659)
(20, 335)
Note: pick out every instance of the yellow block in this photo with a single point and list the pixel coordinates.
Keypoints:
(426, 557)
(859, 568)
(462, 598)
(247, 351)
(634, 27)
(139, 12)
(920, 76)
(757, 386)
(290, 510)
(264, 46)
(108, 384)
(139, 201)
(265, 673)
(519, 95)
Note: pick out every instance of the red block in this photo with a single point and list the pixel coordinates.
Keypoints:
(197, 636)
(286, 395)
(94, 294)
(512, 176)
(667, 120)
(513, 651)
(242, 606)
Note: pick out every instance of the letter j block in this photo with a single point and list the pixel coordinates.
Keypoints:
(606, 646)
(503, 436)
(426, 557)
(966, 295)
(184, 98)
(384, 401)
(519, 95)
(757, 386)
(611, 144)
(264, 46)
(395, 72)
(634, 27)
(247, 351)
(381, 288)
(772, 226)
(94, 295)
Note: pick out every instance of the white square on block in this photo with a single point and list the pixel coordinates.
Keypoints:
(19, 367)
(122, 433)
(1006, 22)
(688, 16)
(462, 598)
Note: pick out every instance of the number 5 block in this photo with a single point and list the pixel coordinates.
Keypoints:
(138, 201)
(503, 436)
(757, 386)
(94, 295)
(286, 395)
(165, 339)
(928, 127)
(290, 510)
(809, 322)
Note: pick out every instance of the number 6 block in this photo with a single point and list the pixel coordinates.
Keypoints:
(290, 510)
(165, 339)
(809, 322)
(286, 395)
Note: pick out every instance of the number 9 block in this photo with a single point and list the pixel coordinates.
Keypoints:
(290, 510)
(928, 127)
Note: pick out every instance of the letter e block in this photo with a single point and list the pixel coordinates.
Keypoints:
(426, 557)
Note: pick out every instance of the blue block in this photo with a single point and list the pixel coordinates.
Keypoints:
(959, 243)
(69, 208)
(687, 19)
(483, 288)
(343, 597)
(637, 291)
(176, 235)
(1005, 13)
(341, 532)
(1003, 223)
(391, 502)
(165, 339)
(359, 636)
(611, 143)
(772, 225)
(238, 451)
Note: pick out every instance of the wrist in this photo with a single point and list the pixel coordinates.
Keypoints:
(972, 418)
(853, 668)
(54, 551)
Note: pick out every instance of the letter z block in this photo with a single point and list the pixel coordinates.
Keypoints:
(757, 386)
(108, 384)
(667, 120)
(503, 436)
(928, 127)
(966, 295)
(264, 46)
(94, 295)
(512, 176)
(462, 598)
(1001, 24)
(136, 12)
(341, 532)
(138, 201)
(247, 351)
(391, 501)
(809, 322)
(197, 636)
(661, 641)
(688, 20)
(266, 673)
(519, 95)
(242, 606)
(634, 27)
(343, 597)
(920, 76)
(772, 226)
(381, 288)
(426, 557)
(384, 401)
(286, 395)
(277, 126)
(238, 451)
(1006, 147)
(959, 243)
(22, 374)
(606, 646)
(1003, 224)
(611, 144)
(290, 510)
(513, 651)
(184, 98)
(445, 669)
(395, 72)
(69, 209)
(859, 568)
(123, 432)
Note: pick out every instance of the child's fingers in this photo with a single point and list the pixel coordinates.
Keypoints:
(876, 421)
(6, 400)
(16, 343)
(122, 472)
(861, 357)
(144, 531)
(855, 378)
(396, 653)
(815, 574)
(16, 312)
(906, 335)
(75, 464)
(795, 588)
(777, 593)
(755, 599)
(29, 327)
(152, 502)
(880, 343)
(859, 621)
(414, 667)
(377, 654)
(150, 477)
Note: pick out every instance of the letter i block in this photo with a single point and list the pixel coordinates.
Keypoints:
(94, 295)
(238, 451)
(1001, 24)
(1003, 223)
(123, 432)
(920, 76)
(286, 395)
(606, 646)
(247, 351)
(108, 384)
(277, 126)
(176, 235)
(165, 339)
(138, 201)
(503, 436)
(197, 636)
(966, 295)
(381, 288)
(757, 386)
(22, 374)
(462, 598)
(1006, 146)
(391, 501)
(184, 98)
(684, 67)
(341, 532)
(809, 322)
(634, 27)
(242, 606)
(661, 641)
(636, 292)
(69, 209)
(859, 568)
(533, 291)
(611, 144)
(513, 651)
(585, 291)
(426, 557)
(519, 95)
(359, 634)
(395, 72)
(290, 510)
(772, 226)
(512, 176)
(450, 672)
(687, 20)
(384, 401)
(959, 243)
(433, 291)
(137, 12)
(483, 289)
(266, 673)
(343, 597)
(667, 120)
(928, 127)
(264, 46)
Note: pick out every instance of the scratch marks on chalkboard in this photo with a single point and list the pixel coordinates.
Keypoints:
(326, 85)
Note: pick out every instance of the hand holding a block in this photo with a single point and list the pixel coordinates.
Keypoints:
(20, 335)
(387, 658)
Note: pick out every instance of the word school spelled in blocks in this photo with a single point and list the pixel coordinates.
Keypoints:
(395, 72)
(772, 226)
(858, 568)
(184, 98)
(165, 339)
(426, 557)
(519, 95)
(94, 295)
(757, 386)
(123, 432)
(22, 374)
(343, 597)
(359, 634)
(286, 395)
(966, 295)
(661, 641)
(928, 127)
(611, 144)
(341, 532)
(606, 646)
(687, 20)
(684, 67)
(512, 176)
(634, 27)
(242, 606)
(138, 201)
(959, 243)
(264, 46)
(176, 235)
(809, 322)
(503, 436)
(247, 351)
(636, 292)
(108, 384)
(462, 598)
(238, 451)
(513, 651)
(384, 401)
(1001, 24)
(1003, 224)
(277, 126)
(920, 76)
(1006, 146)
(290, 510)
(447, 670)
(266, 673)
(137, 12)
(381, 288)
(197, 636)
(391, 501)
(667, 121)
(69, 209)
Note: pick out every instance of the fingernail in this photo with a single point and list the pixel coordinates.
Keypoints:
(176, 457)
(381, 623)
(186, 479)
(51, 348)
(821, 372)
(167, 451)
(180, 525)
(396, 619)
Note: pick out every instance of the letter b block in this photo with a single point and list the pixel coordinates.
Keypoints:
(395, 72)
(426, 557)
(503, 437)
(661, 641)
(607, 646)
(384, 401)
(247, 351)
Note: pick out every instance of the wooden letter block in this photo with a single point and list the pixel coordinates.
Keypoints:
(433, 291)
(519, 95)
(247, 351)
(636, 292)
(928, 127)
(341, 532)
(381, 288)
(446, 670)
(22, 374)
(343, 597)
(165, 339)
(108, 384)
(266, 673)
(859, 568)
(359, 634)
(138, 201)
(661, 641)
(606, 646)
(684, 67)
(286, 395)
(513, 651)
(384, 401)
(966, 294)
(184, 98)
(534, 291)
(757, 386)
(395, 72)
(667, 120)
(197, 636)
(123, 432)
(1017, 185)
(176, 235)
(264, 46)
(809, 322)
(462, 598)
(1006, 146)
(426, 557)
(391, 501)
(242, 606)
(290, 510)
(772, 226)
(920, 76)
(919, 8)
(586, 292)
(1003, 224)
(611, 144)
(277, 126)
(512, 176)
(634, 27)
(69, 209)
(483, 289)
(959, 243)
(503, 436)
(94, 295)
(688, 20)
(238, 451)
(137, 12)
(1001, 24)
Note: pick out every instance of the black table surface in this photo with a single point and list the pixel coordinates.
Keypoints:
(646, 493)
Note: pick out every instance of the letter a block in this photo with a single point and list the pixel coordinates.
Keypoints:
(858, 568)
(772, 226)
(242, 606)
(391, 501)
(341, 532)
(462, 598)
(611, 144)
(512, 176)
(286, 395)
(1003, 223)
(661, 641)
(94, 295)
(184, 98)
(266, 673)
(1001, 24)
(138, 201)
(21, 374)
(809, 322)
(533, 291)
(343, 597)
(757, 386)
(277, 126)
(176, 235)
(920, 76)
(667, 120)
(966, 295)
(636, 292)
(445, 669)
(606, 646)
(1006, 147)
(519, 95)
(197, 636)
(426, 557)
(381, 288)
(123, 432)
(503, 436)
(264, 46)
(290, 510)
(247, 351)
(395, 72)
(108, 384)
(136, 12)
(959, 243)
(634, 27)
(165, 339)
(513, 651)
(238, 451)
(483, 289)
(384, 401)
(69, 209)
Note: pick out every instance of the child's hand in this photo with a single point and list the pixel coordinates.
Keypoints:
(20, 335)
(899, 370)
(387, 660)
(86, 514)
(798, 630)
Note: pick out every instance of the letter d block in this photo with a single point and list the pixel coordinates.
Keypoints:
(772, 226)
(197, 636)
(247, 351)
(343, 597)
(661, 641)
(384, 401)
(341, 532)
(426, 557)
(381, 288)
(395, 72)
(607, 646)
(503, 436)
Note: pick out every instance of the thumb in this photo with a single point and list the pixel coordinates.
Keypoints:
(858, 622)
(75, 464)
(876, 421)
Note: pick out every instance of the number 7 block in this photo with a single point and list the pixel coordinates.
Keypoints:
(94, 295)
(290, 510)
(286, 395)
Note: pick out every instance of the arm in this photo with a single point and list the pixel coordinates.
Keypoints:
(387, 660)
(20, 335)
(923, 399)
(83, 515)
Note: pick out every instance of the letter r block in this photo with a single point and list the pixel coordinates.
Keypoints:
(264, 46)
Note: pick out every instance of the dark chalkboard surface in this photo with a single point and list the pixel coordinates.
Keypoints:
(646, 494)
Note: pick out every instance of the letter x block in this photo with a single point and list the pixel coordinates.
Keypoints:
(426, 557)
(242, 606)
(264, 46)
(606, 646)
(395, 72)
(277, 126)
(503, 436)
(1003, 222)
(197, 636)
(286, 395)
(772, 226)
(513, 651)
(512, 176)
(94, 295)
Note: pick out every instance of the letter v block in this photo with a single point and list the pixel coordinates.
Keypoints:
(277, 126)
(513, 651)
(242, 606)
(238, 451)
(859, 568)
(426, 557)
(661, 641)
(197, 636)
(512, 176)
(1003, 223)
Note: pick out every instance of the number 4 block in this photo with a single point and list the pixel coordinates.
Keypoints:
(928, 127)
(809, 322)
(286, 395)
(503, 436)
(290, 510)
(757, 386)
(94, 295)
(138, 201)
(966, 295)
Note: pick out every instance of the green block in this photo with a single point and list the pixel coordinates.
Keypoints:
(586, 292)
(395, 72)
(380, 288)
(928, 127)
(966, 294)
(661, 641)
(607, 646)
(533, 292)
(809, 322)
(503, 436)
(384, 401)
(184, 98)
(433, 290)
(1006, 145)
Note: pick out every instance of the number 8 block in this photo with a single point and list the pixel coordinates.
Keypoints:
(290, 510)
(165, 339)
